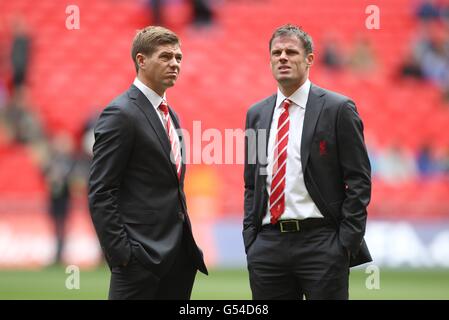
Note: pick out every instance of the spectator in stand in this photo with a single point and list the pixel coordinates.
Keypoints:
(202, 13)
(332, 55)
(411, 67)
(435, 65)
(20, 53)
(155, 7)
(58, 171)
(425, 161)
(395, 166)
(428, 11)
(84, 156)
(23, 126)
(429, 58)
(362, 58)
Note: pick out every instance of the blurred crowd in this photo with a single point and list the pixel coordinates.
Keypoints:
(63, 162)
(360, 59)
(396, 165)
(202, 14)
(62, 158)
(428, 57)
(426, 60)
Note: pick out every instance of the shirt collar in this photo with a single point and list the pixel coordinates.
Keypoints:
(152, 96)
(299, 97)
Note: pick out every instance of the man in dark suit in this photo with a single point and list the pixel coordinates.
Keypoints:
(307, 182)
(136, 186)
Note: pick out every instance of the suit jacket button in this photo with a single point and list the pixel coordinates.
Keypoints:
(181, 216)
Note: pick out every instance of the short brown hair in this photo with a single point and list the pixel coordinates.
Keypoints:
(292, 30)
(149, 38)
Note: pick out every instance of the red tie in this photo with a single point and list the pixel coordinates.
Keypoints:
(174, 143)
(277, 196)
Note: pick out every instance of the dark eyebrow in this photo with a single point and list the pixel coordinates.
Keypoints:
(169, 53)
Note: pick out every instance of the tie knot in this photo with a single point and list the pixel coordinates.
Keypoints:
(164, 108)
(286, 103)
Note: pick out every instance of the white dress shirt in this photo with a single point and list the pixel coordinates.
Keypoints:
(155, 100)
(298, 203)
(152, 96)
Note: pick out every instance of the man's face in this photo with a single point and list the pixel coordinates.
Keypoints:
(161, 69)
(289, 63)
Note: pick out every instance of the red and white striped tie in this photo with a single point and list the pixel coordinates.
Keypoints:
(175, 156)
(277, 196)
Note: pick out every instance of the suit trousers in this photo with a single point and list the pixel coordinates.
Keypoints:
(310, 264)
(136, 282)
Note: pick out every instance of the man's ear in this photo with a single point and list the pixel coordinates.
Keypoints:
(140, 58)
(309, 59)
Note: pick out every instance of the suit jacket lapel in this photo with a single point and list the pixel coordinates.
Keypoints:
(265, 120)
(313, 109)
(263, 127)
(147, 108)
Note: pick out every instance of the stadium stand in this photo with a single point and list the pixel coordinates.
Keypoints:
(76, 72)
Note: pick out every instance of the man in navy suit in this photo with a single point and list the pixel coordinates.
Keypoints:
(136, 185)
(306, 193)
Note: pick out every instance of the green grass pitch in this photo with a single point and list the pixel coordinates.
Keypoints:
(221, 284)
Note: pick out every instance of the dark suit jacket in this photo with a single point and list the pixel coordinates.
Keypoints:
(334, 161)
(136, 201)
